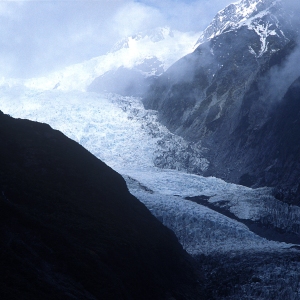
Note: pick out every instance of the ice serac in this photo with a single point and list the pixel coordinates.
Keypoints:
(71, 230)
(224, 92)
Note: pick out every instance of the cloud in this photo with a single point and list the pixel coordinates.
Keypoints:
(188, 15)
(37, 37)
(135, 17)
(293, 7)
(280, 77)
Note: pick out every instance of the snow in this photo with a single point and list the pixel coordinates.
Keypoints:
(262, 30)
(246, 13)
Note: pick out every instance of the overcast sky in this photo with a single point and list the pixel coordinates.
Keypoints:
(39, 36)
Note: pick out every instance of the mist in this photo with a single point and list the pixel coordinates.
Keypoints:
(38, 37)
(281, 77)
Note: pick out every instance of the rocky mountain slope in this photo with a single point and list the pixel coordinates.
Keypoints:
(231, 87)
(71, 230)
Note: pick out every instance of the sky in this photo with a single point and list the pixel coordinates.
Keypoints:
(41, 36)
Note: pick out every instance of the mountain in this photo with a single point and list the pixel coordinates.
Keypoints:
(135, 80)
(120, 132)
(71, 230)
(77, 229)
(231, 88)
(213, 219)
(124, 81)
(147, 54)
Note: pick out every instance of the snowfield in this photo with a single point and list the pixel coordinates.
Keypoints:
(128, 138)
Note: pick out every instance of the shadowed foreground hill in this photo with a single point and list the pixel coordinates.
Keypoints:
(71, 230)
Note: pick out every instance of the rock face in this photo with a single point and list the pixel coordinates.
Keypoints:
(225, 95)
(277, 145)
(71, 230)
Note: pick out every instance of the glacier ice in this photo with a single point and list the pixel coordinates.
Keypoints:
(116, 130)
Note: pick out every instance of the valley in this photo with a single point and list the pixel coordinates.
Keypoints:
(205, 134)
(118, 130)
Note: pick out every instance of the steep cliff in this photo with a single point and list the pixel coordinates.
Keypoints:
(226, 91)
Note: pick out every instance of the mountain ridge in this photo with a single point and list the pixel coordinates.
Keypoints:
(221, 93)
(71, 230)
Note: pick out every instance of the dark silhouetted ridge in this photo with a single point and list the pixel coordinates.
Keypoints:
(71, 230)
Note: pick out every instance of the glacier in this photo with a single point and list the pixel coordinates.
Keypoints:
(116, 130)
(163, 170)
(153, 161)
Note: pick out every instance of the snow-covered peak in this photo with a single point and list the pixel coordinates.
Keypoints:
(236, 15)
(155, 35)
(160, 45)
